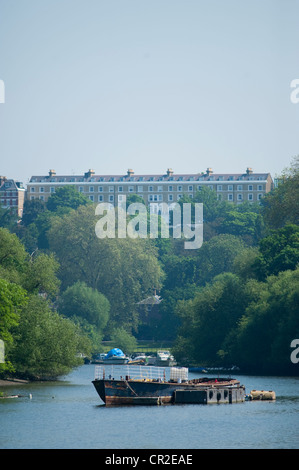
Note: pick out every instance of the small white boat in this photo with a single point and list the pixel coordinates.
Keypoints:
(165, 358)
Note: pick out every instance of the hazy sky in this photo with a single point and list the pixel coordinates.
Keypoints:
(147, 85)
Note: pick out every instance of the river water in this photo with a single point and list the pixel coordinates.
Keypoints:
(68, 414)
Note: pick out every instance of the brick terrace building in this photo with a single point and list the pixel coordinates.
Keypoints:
(12, 195)
(168, 187)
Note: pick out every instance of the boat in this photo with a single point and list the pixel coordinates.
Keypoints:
(150, 386)
(115, 356)
(165, 359)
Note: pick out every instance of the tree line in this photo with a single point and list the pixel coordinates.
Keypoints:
(233, 301)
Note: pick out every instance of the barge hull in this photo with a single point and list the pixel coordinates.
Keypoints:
(124, 392)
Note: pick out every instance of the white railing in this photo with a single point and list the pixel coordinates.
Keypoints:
(127, 372)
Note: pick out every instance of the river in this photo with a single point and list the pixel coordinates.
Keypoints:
(68, 414)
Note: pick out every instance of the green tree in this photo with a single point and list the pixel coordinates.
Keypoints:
(47, 345)
(124, 340)
(278, 252)
(281, 205)
(260, 342)
(32, 209)
(12, 299)
(217, 256)
(124, 270)
(66, 198)
(40, 276)
(79, 300)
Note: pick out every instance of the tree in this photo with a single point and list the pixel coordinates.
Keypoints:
(32, 209)
(47, 345)
(217, 256)
(12, 252)
(12, 299)
(124, 340)
(278, 252)
(124, 270)
(281, 205)
(66, 198)
(79, 300)
(260, 342)
(40, 276)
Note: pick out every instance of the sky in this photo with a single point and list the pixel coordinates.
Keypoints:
(149, 85)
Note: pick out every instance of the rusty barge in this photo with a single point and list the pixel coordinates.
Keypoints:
(150, 386)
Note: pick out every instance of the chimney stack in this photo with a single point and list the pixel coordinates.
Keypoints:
(209, 171)
(89, 174)
(169, 172)
(130, 172)
(52, 173)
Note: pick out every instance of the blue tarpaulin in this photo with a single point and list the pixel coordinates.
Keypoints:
(115, 352)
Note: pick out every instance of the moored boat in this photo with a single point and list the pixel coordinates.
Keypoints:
(149, 386)
(115, 356)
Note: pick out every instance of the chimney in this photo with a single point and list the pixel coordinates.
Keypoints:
(130, 172)
(169, 172)
(2, 179)
(89, 173)
(209, 171)
(249, 171)
(52, 173)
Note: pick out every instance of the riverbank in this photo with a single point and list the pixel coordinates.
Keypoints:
(12, 382)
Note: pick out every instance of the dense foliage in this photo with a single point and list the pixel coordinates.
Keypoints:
(233, 301)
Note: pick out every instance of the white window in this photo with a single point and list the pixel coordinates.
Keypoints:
(150, 189)
(100, 198)
(240, 197)
(160, 198)
(170, 197)
(240, 187)
(179, 196)
(32, 190)
(140, 189)
(111, 189)
(91, 198)
(150, 197)
(41, 189)
(111, 198)
(170, 188)
(250, 187)
(199, 188)
(260, 196)
(131, 189)
(250, 197)
(120, 189)
(190, 188)
(81, 189)
(91, 189)
(42, 198)
(219, 187)
(160, 188)
(121, 198)
(52, 189)
(100, 189)
(230, 197)
(180, 188)
(260, 187)
(230, 187)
